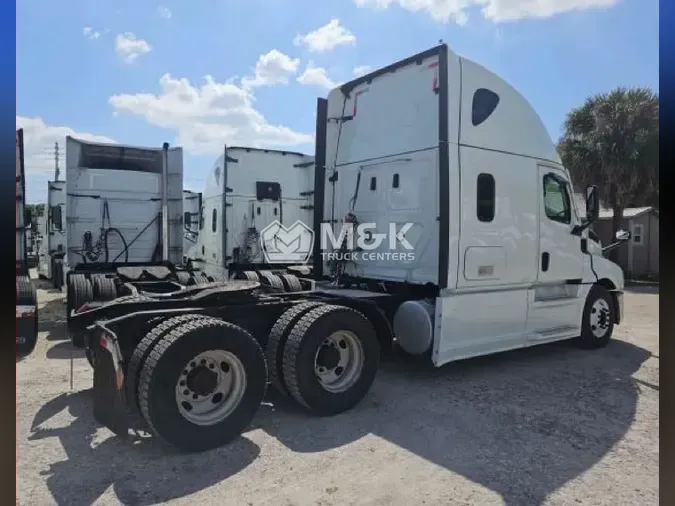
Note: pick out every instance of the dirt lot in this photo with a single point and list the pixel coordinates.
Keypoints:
(550, 425)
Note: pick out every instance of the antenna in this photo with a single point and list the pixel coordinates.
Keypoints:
(56, 161)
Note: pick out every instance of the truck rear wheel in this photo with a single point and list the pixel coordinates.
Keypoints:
(331, 359)
(202, 383)
(103, 288)
(274, 351)
(183, 277)
(250, 275)
(26, 295)
(291, 283)
(144, 348)
(197, 280)
(79, 292)
(271, 280)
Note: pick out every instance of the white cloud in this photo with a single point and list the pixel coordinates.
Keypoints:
(362, 70)
(327, 37)
(271, 69)
(90, 33)
(496, 10)
(207, 116)
(164, 12)
(316, 76)
(130, 48)
(38, 143)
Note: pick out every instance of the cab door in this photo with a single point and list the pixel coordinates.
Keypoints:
(556, 301)
(560, 255)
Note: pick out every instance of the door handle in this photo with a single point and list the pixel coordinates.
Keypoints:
(545, 259)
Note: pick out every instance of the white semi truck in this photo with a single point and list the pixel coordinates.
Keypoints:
(192, 204)
(26, 294)
(52, 230)
(247, 190)
(123, 221)
(499, 259)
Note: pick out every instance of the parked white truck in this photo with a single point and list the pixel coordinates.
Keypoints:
(123, 221)
(26, 295)
(500, 260)
(192, 205)
(51, 227)
(247, 190)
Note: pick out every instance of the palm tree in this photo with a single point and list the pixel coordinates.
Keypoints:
(612, 141)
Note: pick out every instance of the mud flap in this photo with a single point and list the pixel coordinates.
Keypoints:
(109, 401)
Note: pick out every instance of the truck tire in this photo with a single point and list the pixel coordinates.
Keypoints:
(80, 292)
(597, 324)
(143, 349)
(272, 280)
(69, 291)
(291, 283)
(250, 275)
(104, 289)
(197, 280)
(26, 295)
(183, 277)
(331, 358)
(274, 351)
(219, 363)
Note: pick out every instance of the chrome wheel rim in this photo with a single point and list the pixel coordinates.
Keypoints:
(210, 387)
(339, 361)
(600, 318)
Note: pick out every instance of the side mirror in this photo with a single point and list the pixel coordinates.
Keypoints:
(57, 218)
(27, 217)
(592, 204)
(187, 219)
(622, 235)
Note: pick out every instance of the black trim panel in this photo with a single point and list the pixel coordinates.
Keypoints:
(417, 58)
(319, 181)
(444, 167)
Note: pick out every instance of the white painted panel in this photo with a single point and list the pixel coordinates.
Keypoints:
(479, 323)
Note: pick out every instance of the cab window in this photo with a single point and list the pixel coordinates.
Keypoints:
(556, 199)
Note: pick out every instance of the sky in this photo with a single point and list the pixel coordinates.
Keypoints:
(207, 73)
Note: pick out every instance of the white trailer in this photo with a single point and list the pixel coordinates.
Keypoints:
(501, 259)
(51, 227)
(192, 204)
(247, 190)
(26, 295)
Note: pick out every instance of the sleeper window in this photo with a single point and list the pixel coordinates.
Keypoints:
(556, 200)
(214, 216)
(483, 105)
(485, 197)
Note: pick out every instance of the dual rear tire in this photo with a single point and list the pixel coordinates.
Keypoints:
(324, 357)
(197, 381)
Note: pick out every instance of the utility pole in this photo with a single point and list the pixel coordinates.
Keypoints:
(56, 161)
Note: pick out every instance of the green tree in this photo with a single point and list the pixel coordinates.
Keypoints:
(36, 210)
(612, 141)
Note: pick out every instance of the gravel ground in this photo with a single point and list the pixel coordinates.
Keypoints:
(550, 425)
